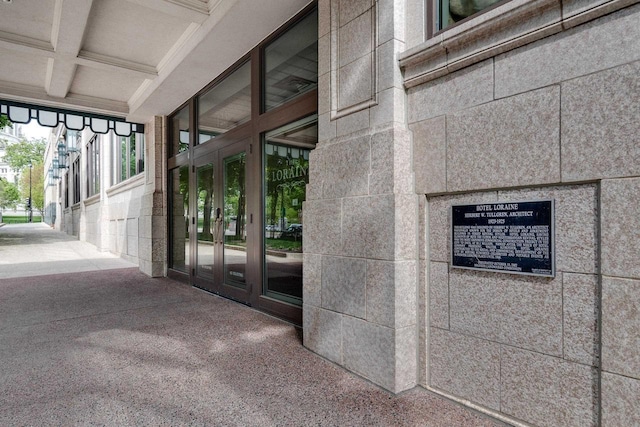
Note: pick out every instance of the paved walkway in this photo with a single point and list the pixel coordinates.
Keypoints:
(36, 249)
(112, 347)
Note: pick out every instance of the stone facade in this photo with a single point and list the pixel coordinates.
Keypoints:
(530, 100)
(360, 271)
(527, 114)
(129, 218)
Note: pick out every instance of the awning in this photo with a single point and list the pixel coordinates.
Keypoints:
(73, 120)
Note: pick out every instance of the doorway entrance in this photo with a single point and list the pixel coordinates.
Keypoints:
(238, 166)
(221, 222)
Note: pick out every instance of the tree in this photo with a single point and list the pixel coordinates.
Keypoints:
(4, 121)
(33, 183)
(9, 194)
(22, 153)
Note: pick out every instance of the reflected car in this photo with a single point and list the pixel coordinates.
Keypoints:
(294, 231)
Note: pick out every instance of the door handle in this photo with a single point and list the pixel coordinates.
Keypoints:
(217, 238)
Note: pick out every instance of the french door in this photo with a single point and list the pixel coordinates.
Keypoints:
(221, 236)
(238, 166)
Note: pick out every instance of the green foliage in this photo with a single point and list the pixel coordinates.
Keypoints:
(33, 182)
(235, 192)
(20, 154)
(286, 245)
(4, 121)
(9, 194)
(19, 219)
(286, 180)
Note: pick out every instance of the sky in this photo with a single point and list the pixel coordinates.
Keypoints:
(34, 130)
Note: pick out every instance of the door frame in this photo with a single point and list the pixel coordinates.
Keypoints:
(252, 131)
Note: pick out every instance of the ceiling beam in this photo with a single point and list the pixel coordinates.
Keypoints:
(188, 10)
(36, 94)
(60, 74)
(105, 62)
(18, 43)
(69, 25)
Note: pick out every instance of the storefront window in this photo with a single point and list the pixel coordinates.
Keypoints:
(291, 63)
(286, 174)
(226, 105)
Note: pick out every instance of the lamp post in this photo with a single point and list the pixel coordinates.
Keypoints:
(30, 200)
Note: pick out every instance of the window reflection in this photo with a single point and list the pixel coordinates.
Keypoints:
(205, 226)
(226, 105)
(179, 214)
(180, 132)
(452, 11)
(286, 174)
(291, 63)
(235, 219)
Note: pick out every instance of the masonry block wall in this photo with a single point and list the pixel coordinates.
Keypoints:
(509, 117)
(152, 236)
(129, 218)
(360, 265)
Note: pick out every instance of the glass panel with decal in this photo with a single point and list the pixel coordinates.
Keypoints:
(286, 174)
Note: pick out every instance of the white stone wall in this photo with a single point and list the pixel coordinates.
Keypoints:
(556, 117)
(123, 211)
(127, 219)
(91, 230)
(360, 261)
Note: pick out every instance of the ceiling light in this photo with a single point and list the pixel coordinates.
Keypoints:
(7, 1)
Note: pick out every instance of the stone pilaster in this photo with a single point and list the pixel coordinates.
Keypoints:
(360, 277)
(152, 237)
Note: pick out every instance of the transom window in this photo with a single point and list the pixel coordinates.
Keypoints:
(225, 106)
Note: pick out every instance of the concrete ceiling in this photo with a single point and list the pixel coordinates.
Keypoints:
(128, 58)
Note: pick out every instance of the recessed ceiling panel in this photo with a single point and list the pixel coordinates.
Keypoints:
(104, 84)
(22, 68)
(125, 30)
(29, 18)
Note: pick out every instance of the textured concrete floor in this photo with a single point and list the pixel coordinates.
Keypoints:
(115, 347)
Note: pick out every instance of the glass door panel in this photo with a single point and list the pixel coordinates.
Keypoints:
(179, 222)
(235, 220)
(205, 220)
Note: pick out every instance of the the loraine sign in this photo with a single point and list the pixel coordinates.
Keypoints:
(509, 237)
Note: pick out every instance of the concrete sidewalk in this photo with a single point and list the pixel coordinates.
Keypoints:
(115, 347)
(35, 249)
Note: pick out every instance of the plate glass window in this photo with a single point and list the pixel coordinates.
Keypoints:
(93, 166)
(179, 132)
(286, 175)
(225, 106)
(291, 63)
(127, 157)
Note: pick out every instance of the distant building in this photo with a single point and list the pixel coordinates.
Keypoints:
(9, 135)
